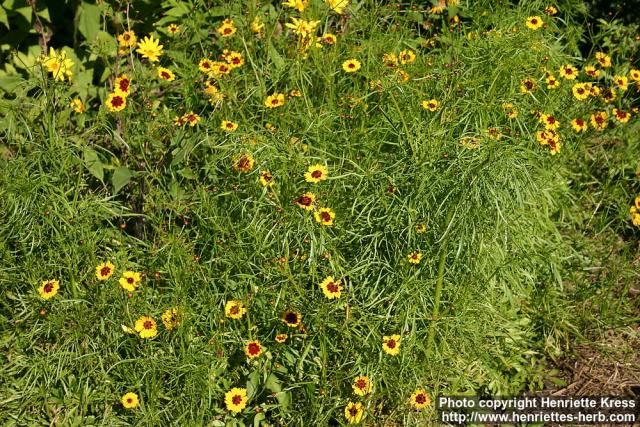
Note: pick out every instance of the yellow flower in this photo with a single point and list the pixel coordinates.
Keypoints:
(552, 82)
(253, 349)
(205, 65)
(580, 91)
(234, 309)
(127, 39)
(621, 81)
(550, 10)
(299, 5)
(621, 116)
(579, 125)
(353, 412)
(146, 327)
(324, 216)
(166, 74)
(421, 228)
(329, 39)
(150, 48)
(390, 60)
(549, 121)
(48, 289)
(591, 71)
(191, 118)
(603, 59)
(362, 385)
(635, 75)
(234, 59)
(292, 318)
(568, 72)
(104, 270)
(130, 280)
(58, 64)
(116, 102)
(331, 288)
(266, 179)
(599, 120)
(407, 56)
(173, 29)
(351, 65)
(122, 85)
(274, 100)
(244, 163)
(302, 27)
(391, 344)
(228, 126)
(78, 106)
(414, 257)
(130, 400)
(527, 85)
(420, 399)
(534, 22)
(257, 25)
(316, 173)
(171, 318)
(281, 338)
(554, 147)
(306, 201)
(236, 399)
(227, 28)
(337, 5)
(431, 105)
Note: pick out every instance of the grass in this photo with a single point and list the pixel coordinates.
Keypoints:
(501, 289)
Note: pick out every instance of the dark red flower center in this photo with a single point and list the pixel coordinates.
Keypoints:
(129, 400)
(421, 398)
(528, 84)
(391, 343)
(165, 75)
(353, 411)
(234, 309)
(599, 119)
(48, 287)
(361, 384)
(267, 177)
(568, 70)
(126, 37)
(304, 200)
(104, 271)
(325, 216)
(332, 287)
(534, 21)
(352, 65)
(117, 101)
(227, 30)
(291, 318)
(253, 348)
(243, 163)
(580, 91)
(148, 324)
(579, 122)
(235, 60)
(237, 399)
(551, 120)
(230, 126)
(124, 85)
(316, 174)
(275, 101)
(130, 280)
(621, 114)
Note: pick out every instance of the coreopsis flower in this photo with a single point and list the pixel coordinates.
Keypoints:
(316, 173)
(306, 201)
(78, 106)
(130, 400)
(205, 65)
(635, 216)
(227, 28)
(549, 121)
(420, 399)
(579, 125)
(331, 288)
(534, 22)
(362, 385)
(552, 82)
(421, 228)
(324, 216)
(191, 118)
(210, 88)
(337, 6)
(178, 121)
(390, 60)
(580, 91)
(104, 270)
(48, 289)
(554, 147)
(603, 59)
(609, 95)
(599, 120)
(58, 64)
(635, 75)
(173, 29)
(391, 344)
(228, 126)
(292, 318)
(299, 5)
(407, 56)
(414, 257)
(234, 309)
(166, 74)
(236, 399)
(594, 90)
(146, 327)
(527, 85)
(171, 318)
(431, 105)
(257, 25)
(150, 48)
(234, 59)
(122, 85)
(130, 280)
(591, 71)
(274, 100)
(546, 137)
(253, 349)
(351, 65)
(568, 72)
(621, 82)
(329, 39)
(620, 116)
(550, 10)
(127, 39)
(636, 202)
(281, 338)
(266, 178)
(509, 110)
(243, 163)
(353, 412)
(116, 102)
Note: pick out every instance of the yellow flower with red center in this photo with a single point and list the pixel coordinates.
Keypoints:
(407, 56)
(105, 270)
(390, 60)
(599, 120)
(603, 59)
(316, 173)
(549, 121)
(227, 28)
(337, 5)
(324, 216)
(294, 93)
(234, 309)
(621, 82)
(591, 71)
(150, 48)
(228, 126)
(266, 179)
(122, 85)
(362, 385)
(220, 68)
(353, 412)
(414, 257)
(635, 75)
(234, 59)
(306, 201)
(78, 106)
(173, 29)
(609, 95)
(253, 349)
(205, 65)
(421, 228)
(166, 74)
(244, 163)
(580, 91)
(274, 100)
(281, 338)
(236, 399)
(146, 327)
(331, 288)
(292, 318)
(620, 115)
(579, 125)
(351, 65)
(127, 39)
(391, 344)
(527, 85)
(116, 102)
(420, 399)
(171, 318)
(130, 400)
(569, 72)
(554, 147)
(510, 110)
(130, 280)
(552, 82)
(550, 10)
(191, 118)
(329, 39)
(430, 105)
(48, 289)
(534, 22)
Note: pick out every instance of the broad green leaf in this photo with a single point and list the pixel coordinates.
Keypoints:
(121, 177)
(4, 19)
(89, 22)
(278, 61)
(93, 163)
